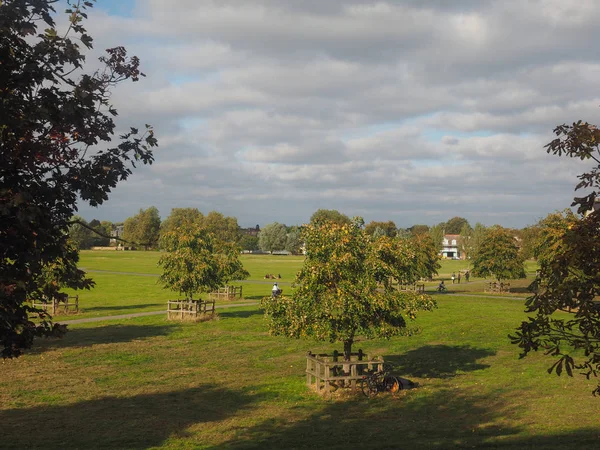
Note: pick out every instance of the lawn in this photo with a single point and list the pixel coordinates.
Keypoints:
(128, 281)
(151, 383)
(146, 382)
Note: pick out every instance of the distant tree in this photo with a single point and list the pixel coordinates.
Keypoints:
(436, 233)
(180, 217)
(224, 228)
(529, 237)
(454, 225)
(98, 235)
(196, 261)
(498, 255)
(272, 237)
(465, 242)
(249, 243)
(427, 258)
(59, 274)
(329, 215)
(293, 240)
(79, 234)
(344, 289)
(418, 229)
(389, 228)
(143, 228)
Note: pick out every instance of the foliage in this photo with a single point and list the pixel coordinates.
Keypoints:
(272, 237)
(59, 274)
(529, 239)
(225, 229)
(418, 229)
(197, 261)
(345, 288)
(179, 217)
(293, 240)
(248, 242)
(455, 225)
(471, 239)
(388, 228)
(52, 118)
(143, 229)
(498, 255)
(568, 253)
(329, 215)
(427, 258)
(436, 233)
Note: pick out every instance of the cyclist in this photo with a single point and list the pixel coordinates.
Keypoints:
(441, 287)
(275, 291)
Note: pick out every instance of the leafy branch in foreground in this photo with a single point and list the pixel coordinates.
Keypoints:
(568, 281)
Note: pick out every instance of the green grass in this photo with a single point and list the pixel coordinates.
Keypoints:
(151, 383)
(126, 282)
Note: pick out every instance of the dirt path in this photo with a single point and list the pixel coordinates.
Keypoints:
(142, 314)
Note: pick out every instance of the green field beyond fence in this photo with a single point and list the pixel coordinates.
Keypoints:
(151, 383)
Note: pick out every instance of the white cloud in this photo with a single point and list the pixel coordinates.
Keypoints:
(404, 110)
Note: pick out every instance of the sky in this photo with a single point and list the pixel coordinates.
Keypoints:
(414, 111)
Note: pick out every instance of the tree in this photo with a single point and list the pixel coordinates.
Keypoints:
(436, 233)
(498, 255)
(530, 236)
(388, 228)
(427, 258)
(197, 261)
(52, 118)
(178, 217)
(293, 240)
(344, 289)
(272, 237)
(465, 242)
(224, 228)
(568, 253)
(79, 233)
(248, 242)
(329, 215)
(418, 229)
(144, 228)
(454, 225)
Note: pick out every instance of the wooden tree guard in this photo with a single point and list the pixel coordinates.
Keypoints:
(416, 287)
(324, 371)
(227, 292)
(189, 309)
(496, 286)
(66, 304)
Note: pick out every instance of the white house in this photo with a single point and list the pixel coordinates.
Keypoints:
(450, 247)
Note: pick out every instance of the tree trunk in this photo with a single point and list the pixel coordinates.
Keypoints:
(347, 349)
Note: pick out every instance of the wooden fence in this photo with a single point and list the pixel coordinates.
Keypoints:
(416, 287)
(227, 293)
(324, 371)
(64, 303)
(189, 309)
(496, 286)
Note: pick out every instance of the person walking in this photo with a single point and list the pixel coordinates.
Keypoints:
(467, 275)
(458, 277)
(453, 277)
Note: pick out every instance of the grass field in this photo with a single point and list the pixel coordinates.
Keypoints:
(128, 281)
(151, 383)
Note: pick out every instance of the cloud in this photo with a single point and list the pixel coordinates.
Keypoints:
(397, 110)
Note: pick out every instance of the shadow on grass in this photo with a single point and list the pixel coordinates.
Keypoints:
(109, 334)
(240, 314)
(120, 307)
(439, 361)
(129, 422)
(446, 419)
